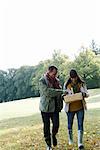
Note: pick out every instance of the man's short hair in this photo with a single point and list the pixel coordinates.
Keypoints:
(52, 67)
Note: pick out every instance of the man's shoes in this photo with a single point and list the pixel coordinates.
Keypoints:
(49, 148)
(48, 142)
(81, 147)
(54, 140)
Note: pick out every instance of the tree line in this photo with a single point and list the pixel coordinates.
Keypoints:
(24, 82)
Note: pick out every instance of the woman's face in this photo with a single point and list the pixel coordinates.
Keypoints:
(74, 79)
(53, 73)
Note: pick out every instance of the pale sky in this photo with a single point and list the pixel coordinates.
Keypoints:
(31, 29)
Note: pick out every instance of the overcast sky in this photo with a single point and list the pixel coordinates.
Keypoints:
(31, 29)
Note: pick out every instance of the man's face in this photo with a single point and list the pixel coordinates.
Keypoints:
(53, 73)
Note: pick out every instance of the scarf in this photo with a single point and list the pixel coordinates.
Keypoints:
(76, 87)
(53, 82)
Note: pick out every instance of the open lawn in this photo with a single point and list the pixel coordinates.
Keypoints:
(21, 127)
(94, 91)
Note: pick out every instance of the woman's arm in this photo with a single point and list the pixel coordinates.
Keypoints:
(84, 90)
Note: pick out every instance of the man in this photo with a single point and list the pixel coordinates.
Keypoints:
(50, 104)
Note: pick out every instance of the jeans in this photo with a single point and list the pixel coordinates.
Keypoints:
(80, 119)
(54, 116)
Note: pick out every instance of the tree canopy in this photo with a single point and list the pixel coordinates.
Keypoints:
(23, 82)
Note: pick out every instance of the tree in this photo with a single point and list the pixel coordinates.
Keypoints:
(88, 67)
(40, 69)
(63, 64)
(61, 61)
(23, 82)
(95, 48)
(10, 89)
(3, 81)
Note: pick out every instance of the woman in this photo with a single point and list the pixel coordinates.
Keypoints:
(75, 85)
(50, 104)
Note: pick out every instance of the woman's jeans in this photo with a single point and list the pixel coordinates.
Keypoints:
(54, 116)
(80, 119)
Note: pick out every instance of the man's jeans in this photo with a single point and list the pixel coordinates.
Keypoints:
(54, 116)
(80, 119)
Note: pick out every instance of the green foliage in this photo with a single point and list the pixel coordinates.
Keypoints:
(16, 83)
(62, 62)
(3, 80)
(23, 82)
(88, 67)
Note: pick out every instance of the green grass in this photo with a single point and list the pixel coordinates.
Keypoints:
(93, 99)
(94, 91)
(96, 96)
(21, 130)
(25, 133)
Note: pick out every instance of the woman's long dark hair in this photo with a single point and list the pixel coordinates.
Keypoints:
(73, 74)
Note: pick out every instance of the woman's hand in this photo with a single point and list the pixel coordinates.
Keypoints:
(83, 94)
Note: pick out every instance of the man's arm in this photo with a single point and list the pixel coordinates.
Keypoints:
(45, 90)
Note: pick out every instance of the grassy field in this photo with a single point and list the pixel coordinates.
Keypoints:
(25, 133)
(94, 91)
